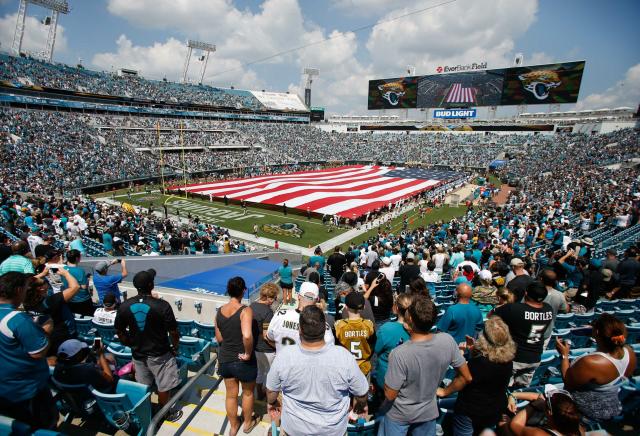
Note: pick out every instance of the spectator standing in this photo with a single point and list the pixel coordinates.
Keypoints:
(39, 302)
(481, 403)
(237, 335)
(108, 283)
(314, 400)
(415, 370)
(554, 298)
(148, 326)
(283, 328)
(81, 302)
(387, 268)
(408, 272)
(24, 389)
(485, 292)
(380, 298)
(18, 262)
(520, 280)
(317, 258)
(527, 323)
(262, 315)
(463, 318)
(628, 272)
(336, 262)
(355, 334)
(389, 336)
(286, 282)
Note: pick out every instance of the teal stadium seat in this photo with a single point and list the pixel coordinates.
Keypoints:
(186, 327)
(206, 332)
(194, 351)
(129, 409)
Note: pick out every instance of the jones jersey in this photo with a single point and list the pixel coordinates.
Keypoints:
(283, 329)
(355, 335)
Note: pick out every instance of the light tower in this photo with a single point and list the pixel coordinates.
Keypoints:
(198, 45)
(55, 6)
(309, 74)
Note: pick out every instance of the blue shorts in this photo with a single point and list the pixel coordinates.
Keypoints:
(244, 372)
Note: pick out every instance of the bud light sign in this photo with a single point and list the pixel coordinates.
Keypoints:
(454, 113)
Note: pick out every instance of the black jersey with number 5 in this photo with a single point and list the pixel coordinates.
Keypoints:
(527, 325)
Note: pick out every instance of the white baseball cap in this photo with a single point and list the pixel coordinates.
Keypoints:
(309, 290)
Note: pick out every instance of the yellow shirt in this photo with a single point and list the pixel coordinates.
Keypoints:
(354, 335)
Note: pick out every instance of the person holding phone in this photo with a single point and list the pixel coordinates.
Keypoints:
(108, 283)
(79, 364)
(55, 306)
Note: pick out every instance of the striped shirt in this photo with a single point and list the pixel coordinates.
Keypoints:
(17, 263)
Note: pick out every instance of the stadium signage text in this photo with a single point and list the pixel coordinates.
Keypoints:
(213, 214)
(457, 68)
(454, 113)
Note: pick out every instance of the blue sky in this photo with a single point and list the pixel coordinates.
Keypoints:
(149, 35)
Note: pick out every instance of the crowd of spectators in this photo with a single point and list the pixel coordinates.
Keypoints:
(30, 71)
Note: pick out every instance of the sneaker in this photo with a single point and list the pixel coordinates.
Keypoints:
(173, 416)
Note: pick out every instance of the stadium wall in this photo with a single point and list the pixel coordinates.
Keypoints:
(604, 127)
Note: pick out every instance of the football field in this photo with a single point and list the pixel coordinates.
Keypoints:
(292, 228)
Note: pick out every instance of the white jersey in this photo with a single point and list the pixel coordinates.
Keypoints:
(283, 329)
(104, 317)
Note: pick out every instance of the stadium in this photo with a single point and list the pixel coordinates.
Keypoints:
(458, 254)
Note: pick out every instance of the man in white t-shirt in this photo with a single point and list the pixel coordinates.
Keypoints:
(387, 269)
(106, 315)
(396, 258)
(284, 326)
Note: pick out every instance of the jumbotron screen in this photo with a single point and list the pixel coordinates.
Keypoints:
(535, 84)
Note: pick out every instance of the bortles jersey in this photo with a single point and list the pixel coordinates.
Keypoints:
(283, 329)
(355, 335)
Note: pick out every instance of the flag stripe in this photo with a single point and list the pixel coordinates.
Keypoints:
(344, 191)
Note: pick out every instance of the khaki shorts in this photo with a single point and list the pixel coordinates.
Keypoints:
(163, 370)
(264, 363)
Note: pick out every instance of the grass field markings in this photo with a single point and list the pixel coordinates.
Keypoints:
(257, 210)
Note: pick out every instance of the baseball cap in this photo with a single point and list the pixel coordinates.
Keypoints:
(355, 300)
(308, 290)
(536, 291)
(607, 274)
(101, 266)
(143, 280)
(70, 348)
(485, 275)
(109, 300)
(410, 255)
(516, 262)
(386, 260)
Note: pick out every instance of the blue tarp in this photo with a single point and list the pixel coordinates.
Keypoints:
(214, 281)
(497, 164)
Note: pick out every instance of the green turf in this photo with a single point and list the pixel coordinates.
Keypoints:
(495, 180)
(314, 232)
(445, 213)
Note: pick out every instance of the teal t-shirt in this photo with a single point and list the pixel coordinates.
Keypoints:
(389, 336)
(286, 275)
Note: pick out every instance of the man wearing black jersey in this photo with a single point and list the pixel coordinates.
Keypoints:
(527, 323)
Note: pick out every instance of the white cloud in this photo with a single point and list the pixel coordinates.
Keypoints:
(625, 92)
(369, 7)
(462, 32)
(166, 59)
(35, 34)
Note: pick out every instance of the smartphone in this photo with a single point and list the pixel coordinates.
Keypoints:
(97, 344)
(407, 288)
(119, 260)
(381, 277)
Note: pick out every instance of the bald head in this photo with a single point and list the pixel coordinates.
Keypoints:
(464, 291)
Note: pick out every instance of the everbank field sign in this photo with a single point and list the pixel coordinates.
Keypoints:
(458, 68)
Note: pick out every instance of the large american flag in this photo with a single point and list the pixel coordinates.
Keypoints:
(346, 191)
(461, 94)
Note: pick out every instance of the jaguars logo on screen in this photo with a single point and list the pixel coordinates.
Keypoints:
(392, 92)
(539, 83)
(285, 229)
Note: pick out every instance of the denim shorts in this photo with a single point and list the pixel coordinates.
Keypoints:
(244, 372)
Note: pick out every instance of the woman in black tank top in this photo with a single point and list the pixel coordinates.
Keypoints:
(236, 355)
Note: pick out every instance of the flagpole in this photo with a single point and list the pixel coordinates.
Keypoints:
(184, 164)
(163, 191)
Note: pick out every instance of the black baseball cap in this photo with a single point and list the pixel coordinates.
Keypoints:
(536, 291)
(109, 300)
(355, 301)
(143, 280)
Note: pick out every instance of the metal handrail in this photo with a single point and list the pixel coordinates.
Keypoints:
(158, 417)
